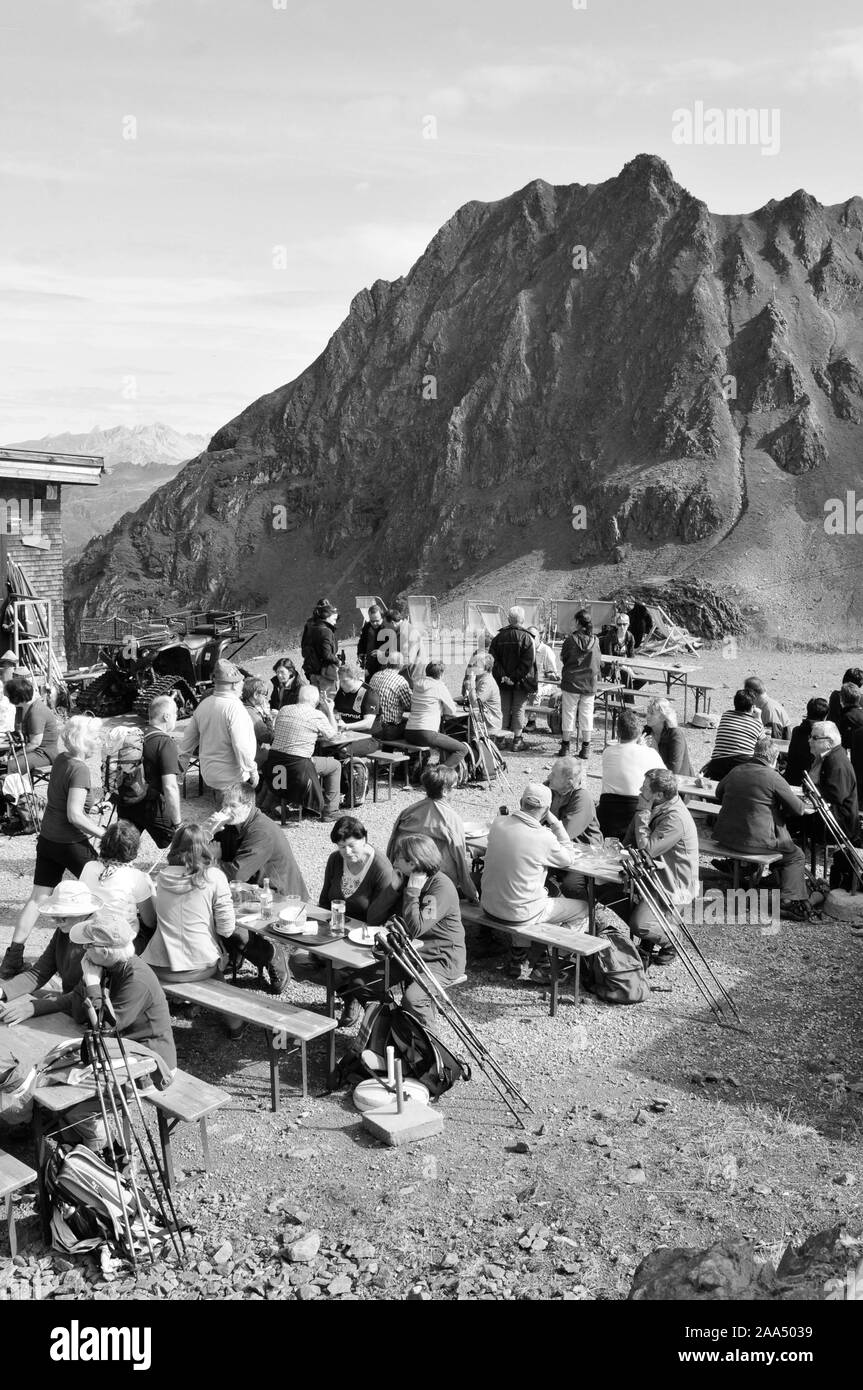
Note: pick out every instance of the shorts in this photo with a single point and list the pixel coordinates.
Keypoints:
(53, 859)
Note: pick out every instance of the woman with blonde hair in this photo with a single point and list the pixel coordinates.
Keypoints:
(64, 840)
(661, 720)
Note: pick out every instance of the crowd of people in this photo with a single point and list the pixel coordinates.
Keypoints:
(117, 927)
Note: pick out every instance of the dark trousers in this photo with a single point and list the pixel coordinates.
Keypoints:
(615, 814)
(512, 703)
(429, 738)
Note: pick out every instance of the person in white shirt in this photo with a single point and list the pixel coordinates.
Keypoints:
(114, 880)
(623, 767)
(429, 700)
(522, 847)
(547, 664)
(222, 734)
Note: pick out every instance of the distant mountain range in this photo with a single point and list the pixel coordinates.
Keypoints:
(138, 459)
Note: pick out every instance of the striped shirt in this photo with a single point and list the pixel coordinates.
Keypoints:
(394, 694)
(737, 734)
(297, 729)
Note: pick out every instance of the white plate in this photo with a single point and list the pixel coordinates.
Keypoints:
(474, 829)
(365, 936)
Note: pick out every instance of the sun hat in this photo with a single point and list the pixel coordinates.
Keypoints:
(8, 659)
(70, 899)
(226, 673)
(107, 929)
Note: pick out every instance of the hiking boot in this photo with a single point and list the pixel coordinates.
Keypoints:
(563, 750)
(277, 973)
(799, 910)
(13, 961)
(665, 955)
(540, 975)
(584, 751)
(519, 745)
(351, 1013)
(238, 1032)
(516, 970)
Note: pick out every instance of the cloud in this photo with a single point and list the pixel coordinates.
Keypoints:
(118, 16)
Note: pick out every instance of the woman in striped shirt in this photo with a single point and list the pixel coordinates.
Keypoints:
(738, 732)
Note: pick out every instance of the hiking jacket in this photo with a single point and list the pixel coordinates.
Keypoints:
(799, 759)
(320, 649)
(581, 664)
(838, 785)
(755, 803)
(667, 831)
(189, 919)
(514, 658)
(444, 825)
(257, 850)
(60, 957)
(673, 751)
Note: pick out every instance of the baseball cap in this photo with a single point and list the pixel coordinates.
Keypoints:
(226, 673)
(107, 929)
(536, 794)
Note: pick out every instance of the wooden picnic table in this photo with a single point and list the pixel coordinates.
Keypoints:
(673, 672)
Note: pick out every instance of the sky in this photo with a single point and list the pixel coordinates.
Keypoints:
(192, 191)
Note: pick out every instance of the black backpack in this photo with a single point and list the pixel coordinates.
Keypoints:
(423, 1056)
(616, 975)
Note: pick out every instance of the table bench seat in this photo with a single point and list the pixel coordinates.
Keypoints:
(187, 1100)
(280, 1021)
(559, 939)
(13, 1176)
(711, 847)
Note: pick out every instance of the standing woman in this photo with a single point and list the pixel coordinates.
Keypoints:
(64, 840)
(431, 913)
(670, 740)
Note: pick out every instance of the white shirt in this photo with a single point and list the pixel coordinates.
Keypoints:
(624, 766)
(546, 661)
(428, 699)
(119, 886)
(223, 735)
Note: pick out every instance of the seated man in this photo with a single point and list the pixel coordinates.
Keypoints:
(623, 767)
(430, 701)
(35, 721)
(834, 777)
(663, 827)
(754, 804)
(522, 847)
(738, 732)
(295, 733)
(774, 716)
(68, 904)
(572, 803)
(393, 694)
(435, 817)
(800, 756)
(851, 718)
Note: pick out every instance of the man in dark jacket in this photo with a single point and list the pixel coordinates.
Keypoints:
(320, 648)
(754, 805)
(854, 674)
(851, 716)
(834, 777)
(515, 672)
(367, 644)
(581, 664)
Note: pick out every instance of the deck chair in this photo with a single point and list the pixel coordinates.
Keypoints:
(669, 636)
(365, 601)
(483, 618)
(423, 612)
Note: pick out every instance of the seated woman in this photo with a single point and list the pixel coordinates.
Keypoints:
(362, 878)
(35, 721)
(739, 730)
(115, 881)
(194, 914)
(430, 911)
(255, 705)
(286, 683)
(661, 719)
(434, 816)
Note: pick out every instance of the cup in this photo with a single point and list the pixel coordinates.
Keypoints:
(337, 918)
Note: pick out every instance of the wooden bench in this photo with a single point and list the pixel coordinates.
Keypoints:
(13, 1176)
(187, 1100)
(390, 759)
(559, 939)
(702, 693)
(548, 710)
(280, 1021)
(413, 752)
(711, 847)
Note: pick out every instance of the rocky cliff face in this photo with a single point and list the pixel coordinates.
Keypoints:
(613, 345)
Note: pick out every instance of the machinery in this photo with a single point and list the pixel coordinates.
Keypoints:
(172, 655)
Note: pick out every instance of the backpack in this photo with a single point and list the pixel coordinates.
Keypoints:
(87, 1209)
(360, 781)
(124, 770)
(423, 1056)
(615, 975)
(24, 816)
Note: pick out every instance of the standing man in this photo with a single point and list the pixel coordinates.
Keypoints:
(320, 648)
(222, 734)
(159, 812)
(581, 664)
(368, 641)
(515, 672)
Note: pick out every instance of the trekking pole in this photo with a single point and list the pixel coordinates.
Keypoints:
(491, 1070)
(409, 958)
(157, 1194)
(850, 851)
(477, 713)
(121, 1195)
(156, 1159)
(651, 870)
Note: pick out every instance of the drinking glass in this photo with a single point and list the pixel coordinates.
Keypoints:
(337, 918)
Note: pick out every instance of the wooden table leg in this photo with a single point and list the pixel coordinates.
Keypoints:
(274, 1073)
(165, 1141)
(10, 1222)
(205, 1142)
(591, 905)
(577, 979)
(304, 1068)
(554, 969)
(331, 1009)
(38, 1137)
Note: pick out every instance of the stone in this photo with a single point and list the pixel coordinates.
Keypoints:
(223, 1254)
(843, 906)
(304, 1250)
(635, 1176)
(308, 1291)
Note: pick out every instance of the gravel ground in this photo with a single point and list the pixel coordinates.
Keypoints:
(651, 1125)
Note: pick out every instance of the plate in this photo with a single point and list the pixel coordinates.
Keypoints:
(295, 928)
(474, 829)
(365, 936)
